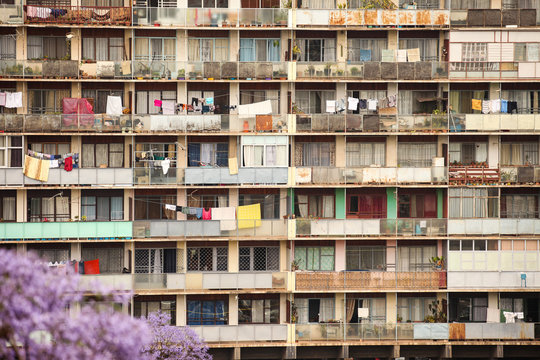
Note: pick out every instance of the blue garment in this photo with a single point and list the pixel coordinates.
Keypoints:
(504, 106)
(199, 213)
(365, 55)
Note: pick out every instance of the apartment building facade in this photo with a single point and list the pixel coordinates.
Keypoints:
(392, 147)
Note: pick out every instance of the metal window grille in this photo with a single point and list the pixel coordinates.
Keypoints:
(148, 261)
(259, 259)
(207, 259)
(53, 255)
(111, 260)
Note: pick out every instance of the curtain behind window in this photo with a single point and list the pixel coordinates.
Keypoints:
(7, 47)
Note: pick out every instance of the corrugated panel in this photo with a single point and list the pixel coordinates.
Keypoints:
(455, 52)
(494, 52)
(526, 70)
(507, 52)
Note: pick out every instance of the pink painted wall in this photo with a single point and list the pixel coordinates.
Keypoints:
(340, 255)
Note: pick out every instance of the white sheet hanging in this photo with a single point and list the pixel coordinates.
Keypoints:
(114, 105)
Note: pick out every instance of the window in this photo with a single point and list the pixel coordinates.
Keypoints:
(316, 153)
(265, 151)
(366, 206)
(47, 47)
(54, 253)
(361, 50)
(208, 49)
(145, 100)
(375, 306)
(206, 200)
(260, 49)
(415, 258)
(155, 48)
(143, 308)
(108, 155)
(468, 309)
(207, 258)
(258, 311)
(269, 204)
(408, 102)
(102, 208)
(11, 151)
(8, 206)
(474, 245)
(417, 206)
(156, 261)
(422, 4)
(103, 48)
(413, 309)
(519, 154)
(101, 3)
(7, 47)
(429, 48)
(315, 310)
(207, 312)
(111, 260)
(365, 154)
(253, 96)
(473, 203)
(470, 4)
(53, 148)
(318, 206)
(208, 154)
(416, 154)
(519, 206)
(461, 100)
(208, 3)
(148, 157)
(474, 52)
(372, 258)
(314, 258)
(314, 101)
(46, 101)
(50, 207)
(317, 49)
(100, 98)
(259, 259)
(148, 207)
(468, 153)
(527, 52)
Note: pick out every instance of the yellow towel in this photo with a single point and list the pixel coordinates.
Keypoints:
(233, 166)
(249, 216)
(36, 169)
(476, 104)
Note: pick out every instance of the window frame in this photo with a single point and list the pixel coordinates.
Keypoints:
(321, 256)
(223, 50)
(151, 56)
(109, 154)
(57, 39)
(252, 49)
(55, 217)
(170, 95)
(372, 157)
(171, 309)
(359, 249)
(8, 150)
(319, 199)
(8, 195)
(110, 47)
(96, 207)
(219, 253)
(491, 203)
(202, 321)
(252, 257)
(410, 307)
(269, 305)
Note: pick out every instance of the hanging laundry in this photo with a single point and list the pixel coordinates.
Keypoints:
(233, 166)
(476, 104)
(68, 163)
(401, 55)
(362, 104)
(165, 164)
(486, 105)
(209, 101)
(331, 106)
(258, 108)
(91, 267)
(392, 100)
(207, 214)
(413, 55)
(157, 103)
(495, 106)
(36, 169)
(512, 107)
(13, 100)
(199, 213)
(249, 216)
(504, 106)
(353, 103)
(170, 207)
(168, 107)
(340, 105)
(54, 164)
(365, 55)
(179, 208)
(2, 99)
(114, 105)
(372, 104)
(226, 216)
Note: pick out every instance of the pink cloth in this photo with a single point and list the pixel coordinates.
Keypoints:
(207, 214)
(157, 103)
(2, 99)
(79, 107)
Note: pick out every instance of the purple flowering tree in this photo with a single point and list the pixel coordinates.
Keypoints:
(171, 342)
(44, 314)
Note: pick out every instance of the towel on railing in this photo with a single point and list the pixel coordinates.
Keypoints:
(36, 169)
(226, 216)
(249, 216)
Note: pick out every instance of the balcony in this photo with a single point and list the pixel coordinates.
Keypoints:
(211, 17)
(74, 15)
(421, 70)
(520, 174)
(358, 280)
(54, 123)
(494, 70)
(216, 175)
(494, 226)
(209, 228)
(414, 331)
(493, 17)
(148, 282)
(155, 176)
(370, 227)
(79, 176)
(236, 281)
(493, 279)
(241, 333)
(370, 175)
(495, 122)
(370, 18)
(464, 175)
(117, 282)
(66, 230)
(339, 123)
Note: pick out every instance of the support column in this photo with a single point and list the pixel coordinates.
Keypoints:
(233, 309)
(21, 43)
(181, 305)
(21, 206)
(340, 203)
(340, 255)
(76, 251)
(338, 310)
(76, 203)
(391, 308)
(391, 203)
(493, 151)
(391, 255)
(391, 151)
(341, 151)
(233, 256)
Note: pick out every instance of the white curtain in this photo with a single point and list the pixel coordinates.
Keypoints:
(326, 311)
(327, 206)
(303, 205)
(481, 152)
(7, 47)
(8, 208)
(405, 102)
(416, 154)
(302, 309)
(429, 48)
(88, 156)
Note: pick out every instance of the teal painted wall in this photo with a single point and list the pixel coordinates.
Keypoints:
(340, 203)
(291, 197)
(391, 203)
(440, 203)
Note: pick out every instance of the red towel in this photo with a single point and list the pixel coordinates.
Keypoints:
(91, 267)
(68, 164)
(207, 214)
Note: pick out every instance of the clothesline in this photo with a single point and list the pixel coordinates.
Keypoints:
(355, 104)
(494, 106)
(248, 216)
(11, 99)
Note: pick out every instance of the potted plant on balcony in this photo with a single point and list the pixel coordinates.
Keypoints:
(181, 74)
(355, 71)
(296, 52)
(437, 262)
(295, 265)
(438, 313)
(310, 71)
(327, 69)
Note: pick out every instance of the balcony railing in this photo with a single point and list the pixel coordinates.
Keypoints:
(421, 70)
(323, 123)
(210, 228)
(370, 227)
(355, 280)
(493, 226)
(463, 175)
(215, 175)
(495, 122)
(472, 279)
(66, 230)
(493, 17)
(241, 280)
(241, 333)
(372, 17)
(370, 175)
(211, 17)
(494, 70)
(79, 176)
(118, 282)
(86, 15)
(170, 281)
(415, 331)
(520, 174)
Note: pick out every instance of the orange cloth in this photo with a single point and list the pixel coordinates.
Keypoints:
(476, 104)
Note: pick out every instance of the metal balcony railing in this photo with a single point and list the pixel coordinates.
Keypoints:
(84, 15)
